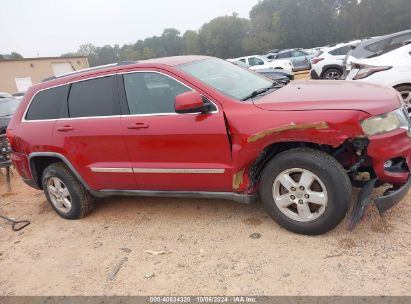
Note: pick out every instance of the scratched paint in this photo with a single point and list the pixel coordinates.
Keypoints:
(289, 127)
(238, 179)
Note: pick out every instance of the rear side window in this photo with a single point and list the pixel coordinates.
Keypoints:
(377, 46)
(94, 97)
(284, 55)
(49, 104)
(341, 51)
(253, 61)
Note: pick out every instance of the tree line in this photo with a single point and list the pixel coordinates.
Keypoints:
(271, 24)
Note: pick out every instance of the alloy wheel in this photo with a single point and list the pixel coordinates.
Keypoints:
(300, 194)
(406, 96)
(332, 75)
(59, 194)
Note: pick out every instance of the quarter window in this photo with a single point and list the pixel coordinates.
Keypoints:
(94, 97)
(151, 93)
(49, 104)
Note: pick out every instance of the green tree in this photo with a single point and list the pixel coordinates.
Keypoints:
(222, 37)
(191, 43)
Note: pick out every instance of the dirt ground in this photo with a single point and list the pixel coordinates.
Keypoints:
(195, 247)
(201, 247)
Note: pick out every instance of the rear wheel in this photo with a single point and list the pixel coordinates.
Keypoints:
(332, 74)
(305, 191)
(405, 91)
(65, 193)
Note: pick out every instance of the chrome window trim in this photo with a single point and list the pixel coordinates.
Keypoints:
(122, 115)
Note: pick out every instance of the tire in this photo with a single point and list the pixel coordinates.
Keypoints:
(405, 91)
(332, 74)
(335, 198)
(58, 182)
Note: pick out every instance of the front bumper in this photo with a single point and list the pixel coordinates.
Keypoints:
(386, 147)
(382, 149)
(392, 197)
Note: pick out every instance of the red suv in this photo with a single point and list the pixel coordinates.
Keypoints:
(195, 126)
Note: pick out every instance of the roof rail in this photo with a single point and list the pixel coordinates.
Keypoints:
(96, 68)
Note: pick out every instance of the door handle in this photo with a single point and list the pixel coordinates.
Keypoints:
(138, 125)
(65, 128)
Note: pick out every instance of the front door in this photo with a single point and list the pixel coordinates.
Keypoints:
(170, 151)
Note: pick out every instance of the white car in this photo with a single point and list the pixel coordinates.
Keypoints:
(329, 63)
(257, 62)
(391, 69)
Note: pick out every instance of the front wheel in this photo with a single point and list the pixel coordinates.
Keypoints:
(305, 191)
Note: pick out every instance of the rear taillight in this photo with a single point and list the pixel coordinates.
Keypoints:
(316, 60)
(10, 137)
(14, 141)
(366, 70)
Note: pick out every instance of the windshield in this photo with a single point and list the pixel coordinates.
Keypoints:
(226, 77)
(8, 106)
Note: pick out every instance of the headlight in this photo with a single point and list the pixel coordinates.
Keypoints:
(386, 123)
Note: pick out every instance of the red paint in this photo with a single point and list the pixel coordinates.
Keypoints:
(200, 141)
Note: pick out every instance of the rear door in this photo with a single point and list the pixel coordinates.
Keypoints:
(300, 60)
(90, 135)
(170, 151)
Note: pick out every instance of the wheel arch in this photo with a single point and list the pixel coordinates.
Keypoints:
(276, 148)
(331, 66)
(401, 84)
(39, 161)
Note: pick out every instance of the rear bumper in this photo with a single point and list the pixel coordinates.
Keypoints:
(314, 74)
(21, 164)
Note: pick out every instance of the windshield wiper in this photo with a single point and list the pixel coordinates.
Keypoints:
(261, 91)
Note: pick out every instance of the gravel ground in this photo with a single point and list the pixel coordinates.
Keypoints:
(164, 246)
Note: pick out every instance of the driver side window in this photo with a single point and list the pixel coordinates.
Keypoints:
(151, 92)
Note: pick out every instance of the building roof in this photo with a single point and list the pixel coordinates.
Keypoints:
(43, 58)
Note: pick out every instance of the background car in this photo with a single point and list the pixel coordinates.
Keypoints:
(5, 95)
(329, 63)
(19, 95)
(376, 46)
(300, 59)
(257, 62)
(7, 108)
(391, 69)
(281, 76)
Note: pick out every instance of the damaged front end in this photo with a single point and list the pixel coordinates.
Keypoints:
(383, 167)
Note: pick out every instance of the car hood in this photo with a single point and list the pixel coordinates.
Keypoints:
(331, 95)
(4, 122)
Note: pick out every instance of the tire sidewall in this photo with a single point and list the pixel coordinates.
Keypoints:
(54, 171)
(339, 199)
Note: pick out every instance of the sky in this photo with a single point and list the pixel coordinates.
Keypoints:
(50, 28)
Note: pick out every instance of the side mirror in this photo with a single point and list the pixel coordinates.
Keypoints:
(190, 102)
